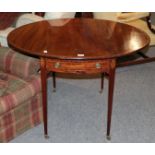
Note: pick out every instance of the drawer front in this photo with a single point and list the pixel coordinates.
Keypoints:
(78, 67)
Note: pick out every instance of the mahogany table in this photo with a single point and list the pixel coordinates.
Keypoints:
(80, 46)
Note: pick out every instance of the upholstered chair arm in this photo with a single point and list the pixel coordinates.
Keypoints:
(3, 35)
(58, 15)
(125, 17)
(27, 19)
(18, 64)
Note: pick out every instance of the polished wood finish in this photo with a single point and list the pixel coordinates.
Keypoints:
(102, 82)
(78, 66)
(110, 95)
(90, 38)
(44, 93)
(80, 46)
(54, 81)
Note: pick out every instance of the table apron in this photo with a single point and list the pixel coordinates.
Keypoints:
(78, 66)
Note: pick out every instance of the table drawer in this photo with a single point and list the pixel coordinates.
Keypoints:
(77, 66)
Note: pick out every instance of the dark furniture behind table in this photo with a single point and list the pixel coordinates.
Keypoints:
(8, 18)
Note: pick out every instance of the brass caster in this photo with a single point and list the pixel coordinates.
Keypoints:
(108, 137)
(54, 90)
(101, 91)
(47, 137)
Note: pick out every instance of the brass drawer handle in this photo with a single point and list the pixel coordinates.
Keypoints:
(98, 65)
(57, 65)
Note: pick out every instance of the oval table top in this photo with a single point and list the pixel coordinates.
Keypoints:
(78, 39)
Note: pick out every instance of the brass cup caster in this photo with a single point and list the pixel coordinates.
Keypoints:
(54, 90)
(101, 91)
(108, 137)
(47, 137)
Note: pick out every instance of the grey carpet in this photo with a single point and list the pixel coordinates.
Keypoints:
(77, 112)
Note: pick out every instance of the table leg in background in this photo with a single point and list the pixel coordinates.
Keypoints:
(110, 96)
(54, 81)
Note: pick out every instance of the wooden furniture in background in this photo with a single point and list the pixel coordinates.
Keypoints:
(40, 13)
(84, 15)
(7, 19)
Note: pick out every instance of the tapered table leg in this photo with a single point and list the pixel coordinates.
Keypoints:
(54, 81)
(110, 96)
(44, 94)
(102, 82)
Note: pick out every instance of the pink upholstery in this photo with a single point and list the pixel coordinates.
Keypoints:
(20, 94)
(17, 64)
